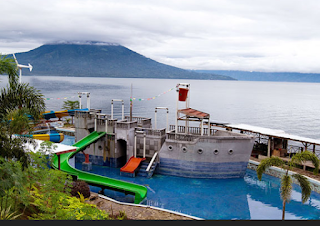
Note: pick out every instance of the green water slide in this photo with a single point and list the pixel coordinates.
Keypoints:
(139, 191)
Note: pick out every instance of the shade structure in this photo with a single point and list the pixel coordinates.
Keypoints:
(194, 113)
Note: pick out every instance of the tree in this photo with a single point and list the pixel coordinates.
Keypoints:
(69, 105)
(21, 96)
(9, 67)
(286, 180)
(18, 104)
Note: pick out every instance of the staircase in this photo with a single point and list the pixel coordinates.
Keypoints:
(143, 169)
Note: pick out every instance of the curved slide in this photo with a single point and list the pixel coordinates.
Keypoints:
(139, 191)
(132, 165)
(53, 137)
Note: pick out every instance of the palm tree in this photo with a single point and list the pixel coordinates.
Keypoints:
(9, 67)
(69, 105)
(286, 180)
(18, 96)
(17, 102)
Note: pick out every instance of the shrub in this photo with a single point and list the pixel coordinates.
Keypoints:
(81, 187)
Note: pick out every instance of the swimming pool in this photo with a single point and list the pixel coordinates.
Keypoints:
(242, 198)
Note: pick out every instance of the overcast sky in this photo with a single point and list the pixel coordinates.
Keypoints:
(253, 35)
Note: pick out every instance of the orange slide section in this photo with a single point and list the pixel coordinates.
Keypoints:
(132, 165)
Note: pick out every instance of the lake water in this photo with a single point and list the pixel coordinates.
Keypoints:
(292, 107)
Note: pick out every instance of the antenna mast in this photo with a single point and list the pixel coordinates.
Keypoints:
(131, 104)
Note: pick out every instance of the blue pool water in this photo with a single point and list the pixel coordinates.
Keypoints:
(243, 198)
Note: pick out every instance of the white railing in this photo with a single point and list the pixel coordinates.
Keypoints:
(152, 160)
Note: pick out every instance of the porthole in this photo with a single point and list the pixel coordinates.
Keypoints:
(230, 152)
(100, 147)
(170, 148)
(184, 149)
(215, 152)
(200, 151)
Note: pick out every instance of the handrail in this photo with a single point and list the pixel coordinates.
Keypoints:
(152, 160)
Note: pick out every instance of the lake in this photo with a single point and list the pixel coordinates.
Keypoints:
(292, 107)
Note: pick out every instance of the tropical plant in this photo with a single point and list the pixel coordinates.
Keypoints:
(9, 67)
(21, 96)
(69, 105)
(286, 179)
(12, 148)
(6, 214)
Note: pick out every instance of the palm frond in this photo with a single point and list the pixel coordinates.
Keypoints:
(9, 67)
(307, 156)
(305, 186)
(286, 187)
(266, 163)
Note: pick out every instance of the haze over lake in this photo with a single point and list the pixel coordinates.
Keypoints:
(292, 107)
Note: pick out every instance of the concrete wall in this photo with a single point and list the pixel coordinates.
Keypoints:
(278, 172)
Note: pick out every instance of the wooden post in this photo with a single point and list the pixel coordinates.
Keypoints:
(269, 147)
(58, 162)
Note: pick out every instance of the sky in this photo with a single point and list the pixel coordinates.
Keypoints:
(250, 35)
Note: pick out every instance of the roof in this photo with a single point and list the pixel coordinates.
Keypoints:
(60, 149)
(194, 113)
(272, 132)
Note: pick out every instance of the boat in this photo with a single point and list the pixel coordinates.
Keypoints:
(190, 148)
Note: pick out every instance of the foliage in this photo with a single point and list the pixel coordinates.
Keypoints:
(286, 179)
(286, 188)
(21, 96)
(122, 215)
(17, 184)
(6, 214)
(266, 163)
(12, 148)
(9, 67)
(80, 187)
(41, 191)
(70, 208)
(18, 121)
(69, 105)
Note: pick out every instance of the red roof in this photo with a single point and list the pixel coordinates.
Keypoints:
(194, 113)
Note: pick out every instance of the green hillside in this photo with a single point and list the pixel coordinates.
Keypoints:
(101, 60)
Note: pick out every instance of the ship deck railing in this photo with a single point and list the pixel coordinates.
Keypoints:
(192, 130)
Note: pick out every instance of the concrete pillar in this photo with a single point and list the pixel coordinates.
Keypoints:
(269, 147)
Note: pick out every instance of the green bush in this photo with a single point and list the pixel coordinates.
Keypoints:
(70, 208)
(39, 192)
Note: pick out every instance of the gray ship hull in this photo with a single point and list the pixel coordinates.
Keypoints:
(223, 155)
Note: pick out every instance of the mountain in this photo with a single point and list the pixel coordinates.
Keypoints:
(100, 59)
(267, 76)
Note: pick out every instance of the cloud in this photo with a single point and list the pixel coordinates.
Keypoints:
(266, 35)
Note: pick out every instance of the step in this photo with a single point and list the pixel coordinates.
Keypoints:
(143, 167)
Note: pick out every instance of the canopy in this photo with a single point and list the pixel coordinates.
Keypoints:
(60, 148)
(272, 133)
(194, 113)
